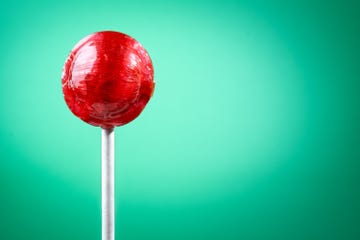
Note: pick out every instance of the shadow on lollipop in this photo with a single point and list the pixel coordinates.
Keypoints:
(107, 80)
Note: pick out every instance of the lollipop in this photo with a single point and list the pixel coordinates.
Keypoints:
(107, 81)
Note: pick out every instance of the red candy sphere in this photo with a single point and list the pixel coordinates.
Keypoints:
(108, 79)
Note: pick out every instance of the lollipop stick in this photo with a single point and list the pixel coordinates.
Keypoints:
(107, 184)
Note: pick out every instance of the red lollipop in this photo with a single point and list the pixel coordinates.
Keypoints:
(107, 81)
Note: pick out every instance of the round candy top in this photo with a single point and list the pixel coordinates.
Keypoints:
(107, 79)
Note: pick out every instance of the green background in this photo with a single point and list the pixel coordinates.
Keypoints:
(252, 132)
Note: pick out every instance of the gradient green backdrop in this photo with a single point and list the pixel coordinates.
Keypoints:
(252, 132)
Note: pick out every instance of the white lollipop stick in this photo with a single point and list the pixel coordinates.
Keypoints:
(107, 184)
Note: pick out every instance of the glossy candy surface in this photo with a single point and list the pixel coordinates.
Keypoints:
(108, 79)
